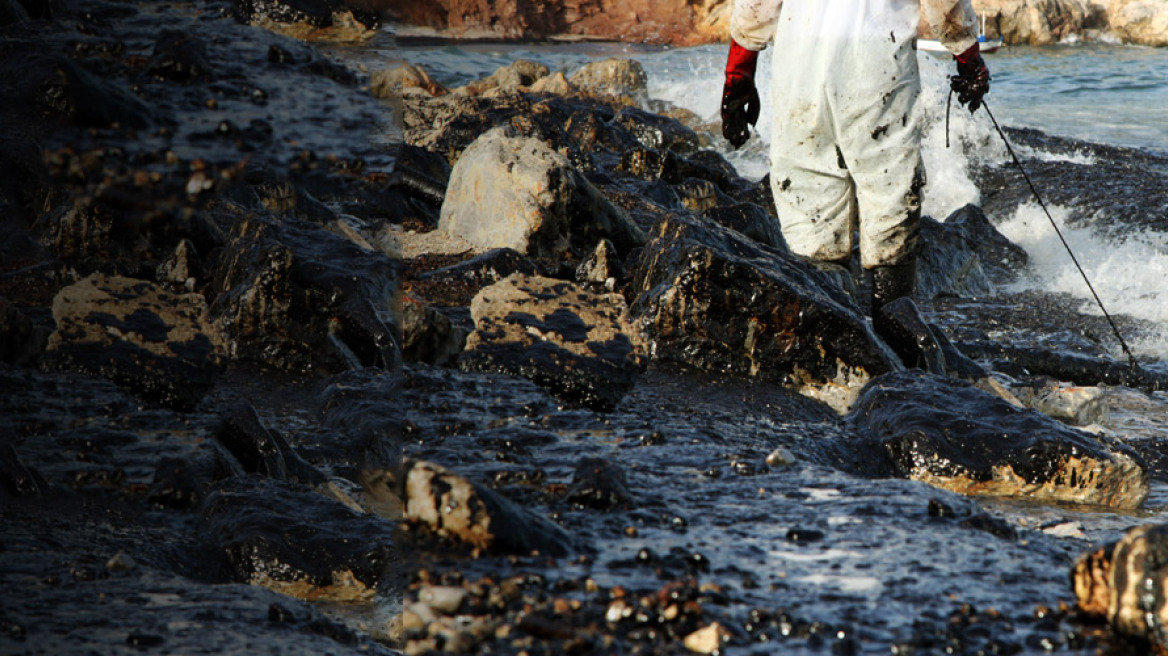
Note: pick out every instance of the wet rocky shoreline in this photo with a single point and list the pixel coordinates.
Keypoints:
(298, 358)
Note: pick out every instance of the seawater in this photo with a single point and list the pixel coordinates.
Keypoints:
(1110, 94)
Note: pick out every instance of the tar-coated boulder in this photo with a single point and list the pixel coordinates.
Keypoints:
(260, 450)
(296, 296)
(439, 501)
(965, 256)
(712, 298)
(289, 539)
(579, 344)
(600, 484)
(1123, 582)
(950, 434)
(160, 345)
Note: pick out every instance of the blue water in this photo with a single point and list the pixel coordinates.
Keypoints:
(1105, 93)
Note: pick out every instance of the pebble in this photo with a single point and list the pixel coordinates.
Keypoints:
(1079, 406)
(120, 562)
(707, 640)
(780, 457)
(417, 616)
(1068, 529)
(618, 610)
(442, 598)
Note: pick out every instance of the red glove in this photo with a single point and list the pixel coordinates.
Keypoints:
(740, 103)
(973, 78)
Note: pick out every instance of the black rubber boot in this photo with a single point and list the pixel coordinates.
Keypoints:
(898, 321)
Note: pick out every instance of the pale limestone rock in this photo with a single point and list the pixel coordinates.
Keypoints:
(1144, 22)
(404, 79)
(613, 77)
(516, 192)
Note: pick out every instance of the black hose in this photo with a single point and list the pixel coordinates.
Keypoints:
(1017, 162)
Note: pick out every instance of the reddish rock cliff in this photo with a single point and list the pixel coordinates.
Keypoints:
(679, 22)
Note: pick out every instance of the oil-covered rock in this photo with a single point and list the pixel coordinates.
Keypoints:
(294, 295)
(579, 344)
(712, 298)
(161, 345)
(948, 433)
(298, 542)
(1123, 583)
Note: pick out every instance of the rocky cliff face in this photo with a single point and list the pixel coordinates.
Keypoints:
(690, 22)
(1042, 22)
(679, 22)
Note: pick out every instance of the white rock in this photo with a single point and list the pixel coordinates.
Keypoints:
(707, 640)
(1078, 406)
(516, 192)
(442, 598)
(780, 457)
(618, 610)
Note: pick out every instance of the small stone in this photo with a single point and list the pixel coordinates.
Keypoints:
(443, 599)
(1067, 529)
(509, 589)
(456, 638)
(120, 562)
(940, 509)
(780, 457)
(394, 629)
(618, 610)
(417, 647)
(707, 640)
(411, 620)
(1078, 406)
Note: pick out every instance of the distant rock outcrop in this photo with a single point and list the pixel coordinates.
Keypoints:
(691, 22)
(1139, 21)
(679, 22)
(1038, 22)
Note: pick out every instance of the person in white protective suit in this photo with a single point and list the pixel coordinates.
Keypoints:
(845, 141)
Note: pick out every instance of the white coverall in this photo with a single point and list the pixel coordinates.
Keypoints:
(845, 141)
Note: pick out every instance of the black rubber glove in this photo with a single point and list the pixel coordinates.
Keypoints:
(740, 102)
(972, 80)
